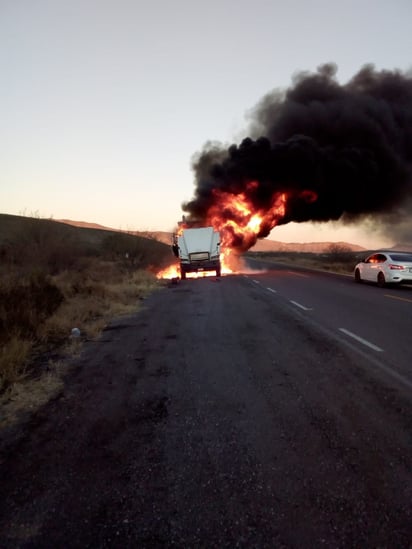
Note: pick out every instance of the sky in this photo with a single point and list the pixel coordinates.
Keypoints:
(103, 103)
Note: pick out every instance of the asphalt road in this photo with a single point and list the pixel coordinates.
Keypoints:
(375, 320)
(224, 415)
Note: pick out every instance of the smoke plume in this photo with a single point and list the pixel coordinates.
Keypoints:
(340, 152)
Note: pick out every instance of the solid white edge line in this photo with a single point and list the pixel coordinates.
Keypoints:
(271, 290)
(361, 340)
(300, 306)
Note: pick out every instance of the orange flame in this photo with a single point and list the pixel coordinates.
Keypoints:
(240, 224)
(169, 272)
(173, 271)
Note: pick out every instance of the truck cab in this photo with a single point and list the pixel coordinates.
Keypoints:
(198, 249)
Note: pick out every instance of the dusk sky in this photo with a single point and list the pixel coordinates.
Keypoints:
(104, 102)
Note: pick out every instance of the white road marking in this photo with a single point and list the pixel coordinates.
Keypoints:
(361, 340)
(301, 306)
(400, 298)
(271, 290)
(376, 362)
(256, 281)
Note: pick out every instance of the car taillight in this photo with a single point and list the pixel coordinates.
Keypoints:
(396, 267)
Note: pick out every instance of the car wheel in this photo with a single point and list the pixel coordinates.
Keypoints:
(381, 280)
(358, 276)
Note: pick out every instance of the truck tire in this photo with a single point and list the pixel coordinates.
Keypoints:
(182, 274)
(218, 271)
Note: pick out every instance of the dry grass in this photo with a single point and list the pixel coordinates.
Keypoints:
(14, 356)
(337, 262)
(87, 304)
(28, 395)
(90, 302)
(54, 278)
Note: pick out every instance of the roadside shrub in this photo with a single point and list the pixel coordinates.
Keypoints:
(338, 258)
(25, 305)
(14, 355)
(41, 244)
(54, 277)
(135, 251)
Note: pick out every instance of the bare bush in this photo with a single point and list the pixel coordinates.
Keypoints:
(338, 252)
(55, 277)
(14, 356)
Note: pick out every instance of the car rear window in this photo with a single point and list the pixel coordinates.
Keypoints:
(401, 257)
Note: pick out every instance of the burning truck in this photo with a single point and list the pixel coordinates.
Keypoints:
(317, 152)
(198, 249)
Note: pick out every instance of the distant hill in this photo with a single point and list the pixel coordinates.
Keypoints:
(86, 225)
(161, 236)
(264, 245)
(404, 246)
(91, 238)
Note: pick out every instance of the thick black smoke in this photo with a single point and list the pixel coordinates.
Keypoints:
(351, 144)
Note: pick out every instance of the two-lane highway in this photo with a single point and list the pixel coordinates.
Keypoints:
(375, 320)
(229, 412)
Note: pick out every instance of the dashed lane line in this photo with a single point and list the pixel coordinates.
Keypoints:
(271, 290)
(368, 344)
(361, 340)
(301, 306)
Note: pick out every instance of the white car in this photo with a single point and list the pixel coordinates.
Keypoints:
(385, 267)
